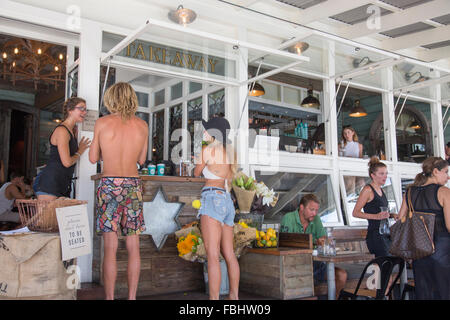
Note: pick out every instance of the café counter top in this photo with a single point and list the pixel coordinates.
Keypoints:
(161, 178)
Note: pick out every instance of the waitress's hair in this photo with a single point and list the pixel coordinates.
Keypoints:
(374, 165)
(70, 104)
(355, 135)
(428, 166)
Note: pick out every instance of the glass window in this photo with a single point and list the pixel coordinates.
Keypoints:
(216, 104)
(176, 91)
(365, 129)
(194, 109)
(414, 132)
(290, 187)
(158, 136)
(292, 96)
(406, 182)
(144, 116)
(272, 91)
(159, 97)
(446, 122)
(352, 188)
(194, 87)
(299, 131)
(142, 99)
(175, 122)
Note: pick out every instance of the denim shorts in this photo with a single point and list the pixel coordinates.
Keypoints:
(217, 204)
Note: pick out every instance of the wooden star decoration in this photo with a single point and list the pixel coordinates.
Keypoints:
(161, 218)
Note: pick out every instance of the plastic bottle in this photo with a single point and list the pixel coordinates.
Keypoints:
(305, 128)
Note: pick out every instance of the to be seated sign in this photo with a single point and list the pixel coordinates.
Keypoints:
(74, 231)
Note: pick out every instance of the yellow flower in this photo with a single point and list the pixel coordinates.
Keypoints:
(185, 244)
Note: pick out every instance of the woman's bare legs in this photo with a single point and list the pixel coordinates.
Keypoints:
(232, 262)
(211, 233)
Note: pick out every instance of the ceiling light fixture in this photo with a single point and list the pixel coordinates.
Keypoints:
(310, 101)
(358, 111)
(182, 16)
(298, 48)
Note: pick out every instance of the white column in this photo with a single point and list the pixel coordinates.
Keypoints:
(235, 102)
(88, 89)
(437, 130)
(330, 118)
(390, 138)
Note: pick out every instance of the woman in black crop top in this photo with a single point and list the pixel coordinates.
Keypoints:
(429, 194)
(371, 199)
(55, 179)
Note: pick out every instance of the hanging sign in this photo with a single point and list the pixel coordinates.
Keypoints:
(74, 231)
(89, 120)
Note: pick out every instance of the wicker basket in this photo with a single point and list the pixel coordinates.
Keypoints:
(39, 215)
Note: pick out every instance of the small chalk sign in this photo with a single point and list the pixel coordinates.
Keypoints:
(89, 120)
(74, 231)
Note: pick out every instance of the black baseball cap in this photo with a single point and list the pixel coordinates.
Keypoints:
(218, 123)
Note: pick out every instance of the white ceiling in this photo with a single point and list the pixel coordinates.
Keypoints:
(418, 29)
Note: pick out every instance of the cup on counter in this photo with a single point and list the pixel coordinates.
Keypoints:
(160, 169)
(151, 169)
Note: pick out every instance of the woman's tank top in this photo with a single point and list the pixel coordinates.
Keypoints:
(425, 199)
(373, 207)
(351, 149)
(55, 178)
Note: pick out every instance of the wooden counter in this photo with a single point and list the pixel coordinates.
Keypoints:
(161, 271)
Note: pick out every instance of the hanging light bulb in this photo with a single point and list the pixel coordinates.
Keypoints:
(16, 50)
(39, 51)
(14, 64)
(56, 68)
(4, 55)
(61, 56)
(415, 125)
(298, 48)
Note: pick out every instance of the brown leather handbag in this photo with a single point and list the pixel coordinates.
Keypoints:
(412, 236)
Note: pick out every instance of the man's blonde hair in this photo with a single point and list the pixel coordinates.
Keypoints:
(120, 98)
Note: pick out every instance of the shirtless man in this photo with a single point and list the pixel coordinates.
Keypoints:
(120, 140)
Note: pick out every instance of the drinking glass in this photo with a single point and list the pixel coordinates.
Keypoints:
(384, 224)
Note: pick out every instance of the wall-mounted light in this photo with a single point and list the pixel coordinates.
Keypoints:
(298, 48)
(421, 78)
(361, 62)
(358, 111)
(182, 15)
(310, 101)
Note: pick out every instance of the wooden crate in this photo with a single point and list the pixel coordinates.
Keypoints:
(280, 273)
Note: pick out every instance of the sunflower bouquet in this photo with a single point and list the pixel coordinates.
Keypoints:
(189, 244)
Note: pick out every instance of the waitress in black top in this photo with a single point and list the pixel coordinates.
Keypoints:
(55, 179)
(371, 199)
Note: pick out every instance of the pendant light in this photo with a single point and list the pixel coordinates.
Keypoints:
(310, 101)
(182, 16)
(358, 111)
(258, 90)
(415, 125)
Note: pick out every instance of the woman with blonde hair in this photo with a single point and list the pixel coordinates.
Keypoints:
(55, 179)
(350, 146)
(429, 194)
(371, 199)
(218, 166)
